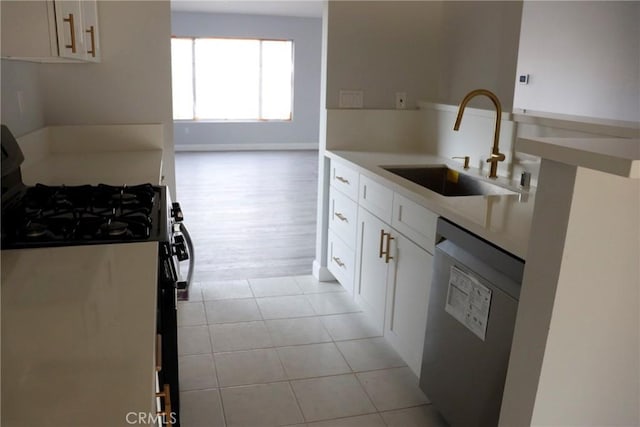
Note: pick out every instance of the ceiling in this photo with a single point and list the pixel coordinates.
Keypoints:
(304, 8)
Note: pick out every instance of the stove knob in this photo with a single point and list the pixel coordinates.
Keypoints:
(180, 248)
(176, 212)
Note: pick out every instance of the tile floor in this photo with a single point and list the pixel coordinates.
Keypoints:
(290, 351)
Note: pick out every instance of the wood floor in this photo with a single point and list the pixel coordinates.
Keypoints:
(251, 214)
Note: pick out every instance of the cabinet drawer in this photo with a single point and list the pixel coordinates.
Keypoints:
(341, 261)
(344, 179)
(342, 217)
(415, 222)
(376, 198)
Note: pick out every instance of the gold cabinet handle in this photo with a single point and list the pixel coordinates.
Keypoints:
(166, 412)
(341, 179)
(341, 217)
(158, 352)
(388, 252)
(338, 261)
(92, 33)
(72, 27)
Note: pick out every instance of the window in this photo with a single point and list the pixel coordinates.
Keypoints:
(231, 79)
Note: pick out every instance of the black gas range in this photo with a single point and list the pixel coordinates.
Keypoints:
(56, 216)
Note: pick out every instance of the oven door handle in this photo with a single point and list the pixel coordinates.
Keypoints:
(187, 236)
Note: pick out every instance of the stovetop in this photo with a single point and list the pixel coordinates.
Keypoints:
(45, 215)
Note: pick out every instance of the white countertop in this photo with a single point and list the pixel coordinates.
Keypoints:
(617, 156)
(503, 220)
(78, 334)
(105, 167)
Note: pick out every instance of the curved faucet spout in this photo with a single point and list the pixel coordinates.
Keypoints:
(496, 155)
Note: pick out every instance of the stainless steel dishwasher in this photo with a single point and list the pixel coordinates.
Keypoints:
(471, 317)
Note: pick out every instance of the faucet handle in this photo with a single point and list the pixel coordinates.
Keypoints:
(496, 157)
(466, 161)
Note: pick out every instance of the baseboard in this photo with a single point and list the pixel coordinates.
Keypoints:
(322, 273)
(247, 147)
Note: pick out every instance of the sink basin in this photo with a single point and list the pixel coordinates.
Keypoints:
(447, 182)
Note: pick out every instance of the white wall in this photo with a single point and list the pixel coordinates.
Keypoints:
(21, 79)
(383, 47)
(479, 50)
(132, 84)
(303, 129)
(583, 59)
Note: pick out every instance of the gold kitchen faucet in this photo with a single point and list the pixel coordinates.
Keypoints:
(496, 155)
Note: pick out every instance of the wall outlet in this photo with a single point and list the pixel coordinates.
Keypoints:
(350, 99)
(401, 100)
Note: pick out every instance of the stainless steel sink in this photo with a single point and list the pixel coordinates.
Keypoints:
(447, 182)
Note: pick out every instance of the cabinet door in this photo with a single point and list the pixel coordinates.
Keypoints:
(408, 301)
(90, 30)
(371, 285)
(70, 29)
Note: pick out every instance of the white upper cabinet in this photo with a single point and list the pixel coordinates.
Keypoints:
(50, 31)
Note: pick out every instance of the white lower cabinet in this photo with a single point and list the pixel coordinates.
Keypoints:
(373, 266)
(341, 261)
(407, 301)
(393, 285)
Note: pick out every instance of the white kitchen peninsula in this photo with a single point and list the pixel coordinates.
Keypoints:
(577, 333)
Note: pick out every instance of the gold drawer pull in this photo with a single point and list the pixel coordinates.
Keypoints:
(341, 217)
(72, 27)
(166, 412)
(92, 33)
(341, 179)
(388, 252)
(385, 250)
(158, 352)
(382, 233)
(338, 261)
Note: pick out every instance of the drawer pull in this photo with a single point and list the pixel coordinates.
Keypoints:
(341, 179)
(72, 28)
(341, 217)
(385, 250)
(388, 252)
(158, 352)
(338, 261)
(92, 32)
(166, 395)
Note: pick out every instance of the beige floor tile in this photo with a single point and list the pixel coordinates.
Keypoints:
(197, 372)
(261, 405)
(191, 314)
(314, 360)
(333, 303)
(285, 307)
(392, 388)
(369, 354)
(248, 367)
(239, 336)
(349, 326)
(274, 286)
(418, 416)
(201, 408)
(232, 310)
(193, 340)
(311, 285)
(331, 397)
(302, 330)
(370, 420)
(227, 289)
